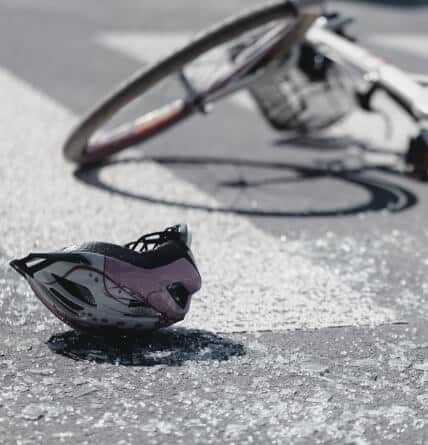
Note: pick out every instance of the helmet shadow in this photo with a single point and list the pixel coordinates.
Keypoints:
(170, 347)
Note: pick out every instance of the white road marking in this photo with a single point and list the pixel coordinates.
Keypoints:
(250, 279)
(411, 43)
(146, 47)
(149, 47)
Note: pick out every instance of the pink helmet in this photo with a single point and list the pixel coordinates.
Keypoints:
(105, 288)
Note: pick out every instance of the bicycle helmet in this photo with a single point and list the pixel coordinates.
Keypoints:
(105, 288)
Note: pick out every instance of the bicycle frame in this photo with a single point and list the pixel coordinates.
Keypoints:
(403, 88)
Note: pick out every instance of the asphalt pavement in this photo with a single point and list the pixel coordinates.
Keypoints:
(311, 324)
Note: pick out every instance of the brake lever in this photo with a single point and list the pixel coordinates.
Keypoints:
(417, 155)
(337, 22)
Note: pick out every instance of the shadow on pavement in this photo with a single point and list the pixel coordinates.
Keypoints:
(323, 143)
(384, 194)
(171, 347)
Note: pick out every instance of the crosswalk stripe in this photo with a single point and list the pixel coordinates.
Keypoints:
(151, 46)
(146, 47)
(250, 280)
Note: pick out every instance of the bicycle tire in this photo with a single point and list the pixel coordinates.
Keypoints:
(77, 147)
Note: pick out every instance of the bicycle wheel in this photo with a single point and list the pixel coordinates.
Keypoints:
(156, 98)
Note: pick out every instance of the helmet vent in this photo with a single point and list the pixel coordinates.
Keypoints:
(72, 307)
(137, 303)
(179, 293)
(78, 291)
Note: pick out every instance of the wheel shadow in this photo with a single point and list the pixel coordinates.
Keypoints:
(171, 347)
(383, 193)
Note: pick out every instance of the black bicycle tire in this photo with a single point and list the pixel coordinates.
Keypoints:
(77, 142)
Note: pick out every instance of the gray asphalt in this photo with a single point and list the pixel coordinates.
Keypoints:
(341, 384)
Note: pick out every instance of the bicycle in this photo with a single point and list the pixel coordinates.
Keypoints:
(284, 53)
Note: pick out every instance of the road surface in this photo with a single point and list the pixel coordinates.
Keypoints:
(311, 326)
